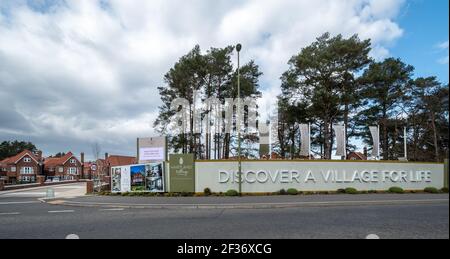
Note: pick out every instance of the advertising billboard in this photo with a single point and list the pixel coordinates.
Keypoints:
(150, 150)
(138, 178)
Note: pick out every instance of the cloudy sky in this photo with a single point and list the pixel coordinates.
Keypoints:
(76, 72)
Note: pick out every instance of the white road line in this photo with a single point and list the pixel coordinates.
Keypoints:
(18, 202)
(117, 209)
(72, 187)
(72, 236)
(61, 211)
(9, 213)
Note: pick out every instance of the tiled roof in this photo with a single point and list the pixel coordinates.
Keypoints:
(54, 161)
(115, 160)
(360, 155)
(14, 159)
(121, 160)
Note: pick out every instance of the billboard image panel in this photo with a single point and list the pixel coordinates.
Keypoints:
(120, 179)
(155, 177)
(116, 179)
(138, 178)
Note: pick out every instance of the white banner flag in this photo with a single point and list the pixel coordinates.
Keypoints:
(339, 130)
(305, 140)
(376, 141)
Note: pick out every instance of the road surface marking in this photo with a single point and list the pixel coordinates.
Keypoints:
(18, 202)
(61, 211)
(72, 236)
(9, 213)
(117, 209)
(69, 187)
(24, 193)
(308, 203)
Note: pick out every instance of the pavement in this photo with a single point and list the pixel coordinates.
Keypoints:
(410, 216)
(60, 191)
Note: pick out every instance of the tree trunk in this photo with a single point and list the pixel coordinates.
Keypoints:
(435, 136)
(327, 140)
(293, 143)
(385, 139)
(346, 111)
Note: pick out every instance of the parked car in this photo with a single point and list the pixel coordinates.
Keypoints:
(55, 180)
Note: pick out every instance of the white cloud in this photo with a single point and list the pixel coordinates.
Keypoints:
(443, 47)
(89, 69)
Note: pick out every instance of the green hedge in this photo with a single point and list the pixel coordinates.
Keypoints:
(282, 192)
(351, 190)
(431, 190)
(292, 191)
(207, 191)
(232, 193)
(396, 189)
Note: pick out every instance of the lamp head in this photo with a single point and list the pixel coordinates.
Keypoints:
(238, 47)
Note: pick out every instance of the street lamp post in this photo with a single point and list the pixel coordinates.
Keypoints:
(238, 49)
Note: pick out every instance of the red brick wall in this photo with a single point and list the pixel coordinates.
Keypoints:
(21, 164)
(69, 165)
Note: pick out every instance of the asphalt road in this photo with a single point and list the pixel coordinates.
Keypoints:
(24, 217)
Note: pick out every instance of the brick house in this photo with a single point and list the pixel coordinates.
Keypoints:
(67, 167)
(104, 165)
(21, 168)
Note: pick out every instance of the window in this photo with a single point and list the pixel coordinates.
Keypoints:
(13, 169)
(73, 170)
(27, 179)
(27, 170)
(73, 161)
(60, 169)
(27, 159)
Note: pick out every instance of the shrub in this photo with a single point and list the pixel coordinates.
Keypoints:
(232, 193)
(444, 190)
(351, 190)
(397, 190)
(431, 190)
(372, 191)
(282, 192)
(341, 191)
(207, 191)
(292, 191)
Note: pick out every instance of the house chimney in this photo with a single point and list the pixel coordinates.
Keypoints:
(38, 155)
(365, 151)
(106, 156)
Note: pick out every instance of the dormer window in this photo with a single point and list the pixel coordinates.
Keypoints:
(27, 159)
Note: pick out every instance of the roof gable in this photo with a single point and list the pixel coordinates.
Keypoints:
(18, 157)
(55, 161)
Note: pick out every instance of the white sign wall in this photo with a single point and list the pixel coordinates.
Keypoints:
(272, 176)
